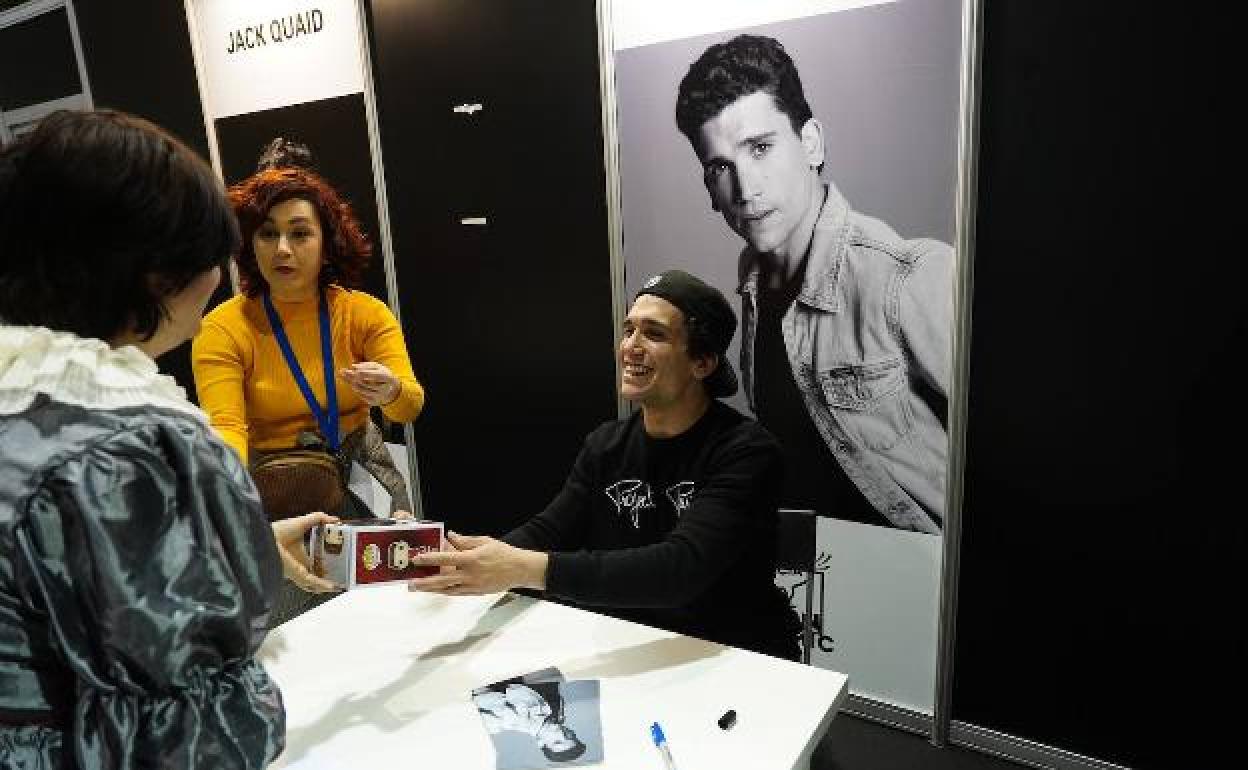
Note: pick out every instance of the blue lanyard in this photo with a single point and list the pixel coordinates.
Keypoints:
(326, 418)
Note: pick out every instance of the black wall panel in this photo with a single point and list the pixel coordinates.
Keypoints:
(509, 323)
(138, 58)
(1105, 437)
(37, 62)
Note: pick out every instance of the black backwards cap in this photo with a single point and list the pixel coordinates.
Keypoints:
(709, 318)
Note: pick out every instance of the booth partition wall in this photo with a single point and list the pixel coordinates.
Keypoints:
(41, 64)
(519, 165)
(882, 82)
(491, 121)
(1102, 526)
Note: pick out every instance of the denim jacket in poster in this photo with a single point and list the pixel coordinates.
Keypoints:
(870, 329)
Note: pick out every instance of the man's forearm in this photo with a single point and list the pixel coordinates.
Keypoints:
(532, 569)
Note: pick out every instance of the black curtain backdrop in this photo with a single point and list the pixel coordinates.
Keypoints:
(509, 323)
(1102, 511)
(37, 62)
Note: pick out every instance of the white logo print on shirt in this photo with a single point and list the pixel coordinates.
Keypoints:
(681, 495)
(631, 496)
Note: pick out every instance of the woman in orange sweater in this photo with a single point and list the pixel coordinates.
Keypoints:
(302, 250)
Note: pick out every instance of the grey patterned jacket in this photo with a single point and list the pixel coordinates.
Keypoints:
(136, 570)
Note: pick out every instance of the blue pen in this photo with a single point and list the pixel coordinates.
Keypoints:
(660, 742)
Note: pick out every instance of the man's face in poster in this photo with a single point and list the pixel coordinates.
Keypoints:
(762, 174)
(556, 738)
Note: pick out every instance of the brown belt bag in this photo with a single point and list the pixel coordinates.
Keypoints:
(299, 481)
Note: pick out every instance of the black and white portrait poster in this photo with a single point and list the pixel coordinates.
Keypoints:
(802, 157)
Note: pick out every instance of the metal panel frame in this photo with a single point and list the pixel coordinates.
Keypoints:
(383, 235)
(611, 165)
(887, 714)
(1026, 752)
(968, 158)
(981, 739)
(205, 97)
(78, 55)
(81, 100)
(944, 729)
(28, 11)
(22, 115)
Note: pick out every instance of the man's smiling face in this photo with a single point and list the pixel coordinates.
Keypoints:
(655, 366)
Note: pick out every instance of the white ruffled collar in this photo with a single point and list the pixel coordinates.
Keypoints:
(81, 371)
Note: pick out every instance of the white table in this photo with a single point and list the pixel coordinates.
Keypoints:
(380, 678)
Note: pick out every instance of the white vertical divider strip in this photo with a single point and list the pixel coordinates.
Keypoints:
(78, 55)
(205, 102)
(968, 164)
(383, 227)
(611, 164)
(205, 89)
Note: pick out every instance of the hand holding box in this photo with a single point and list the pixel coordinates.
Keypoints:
(367, 552)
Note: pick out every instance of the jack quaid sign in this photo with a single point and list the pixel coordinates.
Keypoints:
(288, 53)
(276, 30)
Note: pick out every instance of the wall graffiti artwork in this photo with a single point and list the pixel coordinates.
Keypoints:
(795, 585)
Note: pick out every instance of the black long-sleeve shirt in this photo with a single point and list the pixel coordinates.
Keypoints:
(677, 533)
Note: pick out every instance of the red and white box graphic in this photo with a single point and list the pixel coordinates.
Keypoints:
(354, 554)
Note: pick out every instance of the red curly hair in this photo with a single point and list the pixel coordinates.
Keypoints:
(346, 249)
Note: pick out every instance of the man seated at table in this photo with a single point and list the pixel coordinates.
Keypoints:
(668, 517)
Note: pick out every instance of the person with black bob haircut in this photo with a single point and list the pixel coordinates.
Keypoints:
(136, 567)
(100, 222)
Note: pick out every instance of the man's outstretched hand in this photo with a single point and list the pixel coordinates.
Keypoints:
(480, 565)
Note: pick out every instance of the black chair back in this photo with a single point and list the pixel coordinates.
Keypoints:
(795, 540)
(795, 552)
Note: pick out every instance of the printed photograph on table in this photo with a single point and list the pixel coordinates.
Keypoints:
(808, 167)
(542, 720)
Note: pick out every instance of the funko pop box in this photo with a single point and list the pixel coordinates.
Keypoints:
(368, 552)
